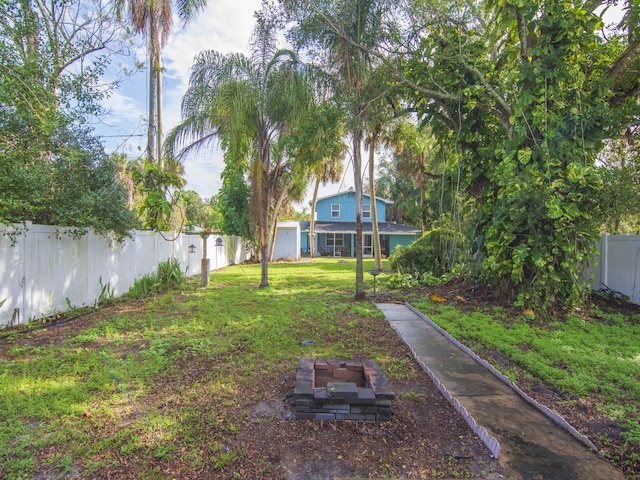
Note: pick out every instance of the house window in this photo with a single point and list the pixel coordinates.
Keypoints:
(335, 240)
(335, 210)
(366, 211)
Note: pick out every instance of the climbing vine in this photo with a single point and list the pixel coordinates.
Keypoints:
(525, 100)
(158, 187)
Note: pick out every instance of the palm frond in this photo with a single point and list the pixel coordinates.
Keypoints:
(263, 44)
(187, 9)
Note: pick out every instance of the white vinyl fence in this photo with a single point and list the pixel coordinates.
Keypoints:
(43, 270)
(618, 265)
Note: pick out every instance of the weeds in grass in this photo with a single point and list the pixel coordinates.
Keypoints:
(105, 295)
(146, 285)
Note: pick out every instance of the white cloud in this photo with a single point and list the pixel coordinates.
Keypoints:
(123, 127)
(203, 172)
(223, 26)
(124, 108)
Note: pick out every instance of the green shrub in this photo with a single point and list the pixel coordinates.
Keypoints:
(435, 252)
(144, 286)
(169, 276)
(401, 280)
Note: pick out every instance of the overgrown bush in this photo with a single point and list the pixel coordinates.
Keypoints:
(435, 252)
(406, 280)
(168, 276)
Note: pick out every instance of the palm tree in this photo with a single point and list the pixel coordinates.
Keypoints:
(380, 117)
(154, 19)
(372, 142)
(415, 151)
(320, 146)
(399, 189)
(289, 187)
(345, 33)
(249, 103)
(325, 171)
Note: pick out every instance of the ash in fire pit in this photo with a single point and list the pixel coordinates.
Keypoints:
(341, 390)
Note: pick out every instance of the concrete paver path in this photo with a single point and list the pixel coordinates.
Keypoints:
(532, 446)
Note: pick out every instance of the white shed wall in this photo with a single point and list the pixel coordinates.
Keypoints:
(287, 243)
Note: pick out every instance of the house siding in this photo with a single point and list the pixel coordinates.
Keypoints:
(400, 240)
(391, 235)
(347, 202)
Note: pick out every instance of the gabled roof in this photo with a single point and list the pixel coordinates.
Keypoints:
(350, 227)
(388, 202)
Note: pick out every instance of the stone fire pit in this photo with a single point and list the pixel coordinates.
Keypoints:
(341, 390)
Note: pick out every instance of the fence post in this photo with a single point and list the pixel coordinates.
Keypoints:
(604, 260)
(26, 241)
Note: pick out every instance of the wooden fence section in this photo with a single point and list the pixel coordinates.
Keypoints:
(45, 269)
(617, 267)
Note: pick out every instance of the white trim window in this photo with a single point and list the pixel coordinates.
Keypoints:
(366, 211)
(335, 210)
(335, 240)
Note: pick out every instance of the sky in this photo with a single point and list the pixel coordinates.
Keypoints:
(224, 26)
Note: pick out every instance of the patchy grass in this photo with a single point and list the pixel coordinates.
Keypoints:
(586, 367)
(195, 385)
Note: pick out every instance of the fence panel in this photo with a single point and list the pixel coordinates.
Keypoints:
(617, 267)
(45, 269)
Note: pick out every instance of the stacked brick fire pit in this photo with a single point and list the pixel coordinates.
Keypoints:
(341, 390)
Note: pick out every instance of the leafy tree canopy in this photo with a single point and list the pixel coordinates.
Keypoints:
(52, 170)
(521, 92)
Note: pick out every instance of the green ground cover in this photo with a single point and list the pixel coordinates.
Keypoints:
(130, 385)
(92, 394)
(590, 362)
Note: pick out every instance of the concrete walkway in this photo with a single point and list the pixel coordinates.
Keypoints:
(531, 445)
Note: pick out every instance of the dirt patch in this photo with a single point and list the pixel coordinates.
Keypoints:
(252, 434)
(425, 438)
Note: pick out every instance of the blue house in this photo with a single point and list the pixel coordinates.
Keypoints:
(335, 227)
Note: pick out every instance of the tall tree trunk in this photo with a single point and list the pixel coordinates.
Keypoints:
(274, 225)
(264, 161)
(374, 211)
(158, 73)
(151, 121)
(423, 213)
(264, 243)
(357, 181)
(31, 19)
(312, 226)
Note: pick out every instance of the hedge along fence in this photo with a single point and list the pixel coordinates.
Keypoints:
(45, 269)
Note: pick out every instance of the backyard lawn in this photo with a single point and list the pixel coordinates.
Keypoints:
(196, 383)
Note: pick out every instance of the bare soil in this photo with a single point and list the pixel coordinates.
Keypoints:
(425, 438)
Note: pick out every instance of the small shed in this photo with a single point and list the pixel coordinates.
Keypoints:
(287, 243)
